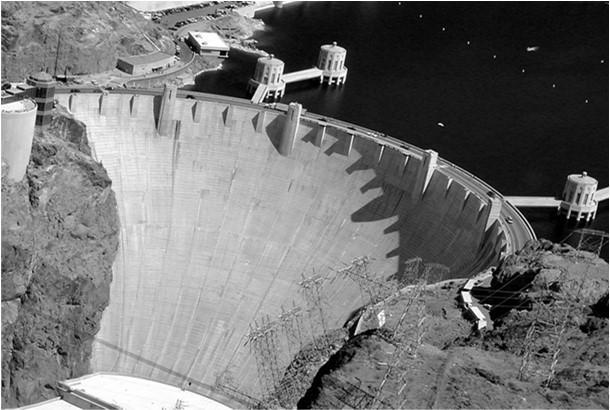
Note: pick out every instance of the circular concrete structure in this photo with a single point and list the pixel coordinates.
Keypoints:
(269, 72)
(331, 61)
(218, 228)
(578, 198)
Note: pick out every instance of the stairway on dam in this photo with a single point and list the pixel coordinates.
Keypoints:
(218, 228)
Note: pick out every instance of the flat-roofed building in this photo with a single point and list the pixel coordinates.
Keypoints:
(146, 63)
(208, 43)
(17, 91)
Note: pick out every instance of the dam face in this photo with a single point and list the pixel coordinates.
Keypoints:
(218, 228)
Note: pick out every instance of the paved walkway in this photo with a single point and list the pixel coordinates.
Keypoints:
(302, 75)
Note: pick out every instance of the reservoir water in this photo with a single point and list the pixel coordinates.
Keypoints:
(521, 120)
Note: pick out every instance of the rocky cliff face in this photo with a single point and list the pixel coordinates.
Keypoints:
(562, 330)
(59, 239)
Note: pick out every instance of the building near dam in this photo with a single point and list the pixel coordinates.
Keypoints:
(233, 206)
(208, 43)
(145, 63)
(115, 391)
(578, 197)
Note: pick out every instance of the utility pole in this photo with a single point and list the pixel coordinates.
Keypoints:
(57, 54)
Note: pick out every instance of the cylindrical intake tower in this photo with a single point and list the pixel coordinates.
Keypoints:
(18, 119)
(269, 72)
(579, 197)
(332, 62)
(44, 96)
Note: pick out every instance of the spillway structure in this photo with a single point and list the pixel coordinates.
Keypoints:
(226, 211)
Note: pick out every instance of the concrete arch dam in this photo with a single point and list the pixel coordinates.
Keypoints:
(218, 228)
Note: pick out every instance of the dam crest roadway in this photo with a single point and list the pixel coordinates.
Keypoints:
(226, 205)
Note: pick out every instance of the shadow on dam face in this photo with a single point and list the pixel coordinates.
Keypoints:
(219, 229)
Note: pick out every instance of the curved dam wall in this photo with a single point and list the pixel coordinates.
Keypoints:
(219, 228)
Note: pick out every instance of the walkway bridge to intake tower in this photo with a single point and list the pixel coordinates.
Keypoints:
(259, 94)
(262, 90)
(548, 201)
(303, 75)
(602, 194)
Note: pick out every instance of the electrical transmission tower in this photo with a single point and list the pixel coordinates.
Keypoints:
(408, 332)
(435, 272)
(571, 304)
(542, 326)
(412, 269)
(377, 290)
(590, 240)
(291, 322)
(311, 287)
(264, 343)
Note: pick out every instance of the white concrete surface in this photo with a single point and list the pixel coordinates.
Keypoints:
(132, 393)
(217, 229)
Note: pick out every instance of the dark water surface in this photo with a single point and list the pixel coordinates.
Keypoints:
(504, 120)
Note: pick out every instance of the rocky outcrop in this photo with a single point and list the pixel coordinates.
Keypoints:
(89, 36)
(59, 239)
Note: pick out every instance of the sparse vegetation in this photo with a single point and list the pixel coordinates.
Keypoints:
(90, 35)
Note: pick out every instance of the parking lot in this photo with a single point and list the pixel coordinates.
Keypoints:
(196, 11)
